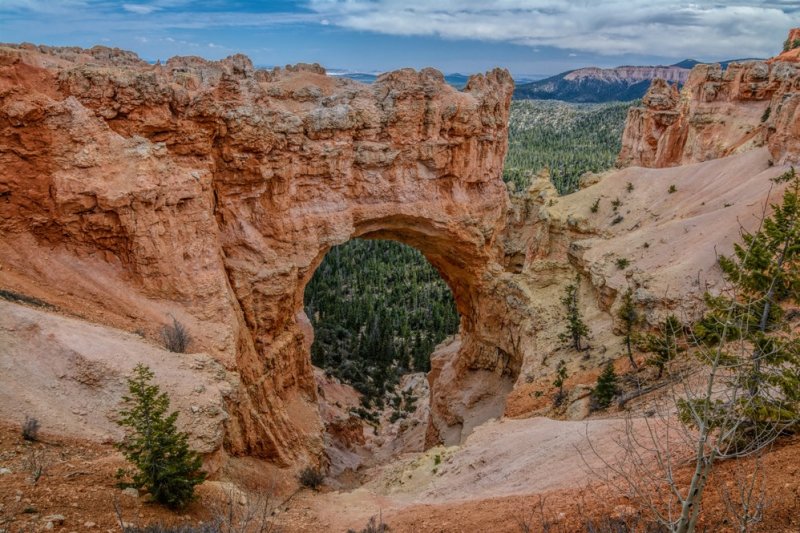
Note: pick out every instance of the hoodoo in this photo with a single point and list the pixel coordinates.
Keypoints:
(718, 113)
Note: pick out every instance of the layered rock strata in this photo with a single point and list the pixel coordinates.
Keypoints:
(212, 190)
(718, 113)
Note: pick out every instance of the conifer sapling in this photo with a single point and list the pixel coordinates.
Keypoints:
(606, 388)
(164, 465)
(576, 329)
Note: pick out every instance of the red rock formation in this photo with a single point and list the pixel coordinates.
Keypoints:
(220, 188)
(718, 113)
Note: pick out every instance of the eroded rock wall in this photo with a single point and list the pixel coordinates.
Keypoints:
(218, 188)
(719, 112)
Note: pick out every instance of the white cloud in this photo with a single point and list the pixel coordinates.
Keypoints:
(651, 27)
(140, 9)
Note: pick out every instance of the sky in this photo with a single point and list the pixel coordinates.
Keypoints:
(529, 37)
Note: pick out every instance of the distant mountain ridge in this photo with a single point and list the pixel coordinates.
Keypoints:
(594, 84)
(456, 80)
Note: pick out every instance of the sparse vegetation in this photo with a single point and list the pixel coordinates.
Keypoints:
(767, 112)
(791, 44)
(311, 477)
(622, 263)
(629, 187)
(576, 330)
(672, 189)
(30, 429)
(616, 203)
(747, 395)
(595, 206)
(163, 463)
(176, 337)
(617, 219)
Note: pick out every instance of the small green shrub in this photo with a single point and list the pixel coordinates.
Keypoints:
(791, 44)
(766, 114)
(617, 220)
(629, 187)
(595, 205)
(622, 263)
(672, 189)
(605, 389)
(616, 203)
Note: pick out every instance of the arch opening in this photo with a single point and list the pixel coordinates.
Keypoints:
(378, 308)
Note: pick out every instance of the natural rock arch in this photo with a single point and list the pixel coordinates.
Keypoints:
(219, 187)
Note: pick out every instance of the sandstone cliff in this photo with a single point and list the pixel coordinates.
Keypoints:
(210, 191)
(718, 113)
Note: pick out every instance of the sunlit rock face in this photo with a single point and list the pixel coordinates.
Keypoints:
(212, 190)
(719, 113)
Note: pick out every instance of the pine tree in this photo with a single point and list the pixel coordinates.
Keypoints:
(605, 389)
(561, 376)
(164, 464)
(576, 328)
(747, 320)
(663, 346)
(629, 318)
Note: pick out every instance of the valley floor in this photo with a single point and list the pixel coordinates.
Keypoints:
(532, 474)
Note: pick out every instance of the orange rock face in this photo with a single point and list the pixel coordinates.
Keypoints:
(718, 113)
(219, 188)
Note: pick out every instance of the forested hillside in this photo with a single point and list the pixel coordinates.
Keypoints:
(379, 308)
(569, 139)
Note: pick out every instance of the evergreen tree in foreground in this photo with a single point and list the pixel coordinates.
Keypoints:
(576, 328)
(747, 321)
(164, 464)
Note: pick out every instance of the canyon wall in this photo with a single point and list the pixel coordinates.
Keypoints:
(718, 113)
(133, 193)
(210, 191)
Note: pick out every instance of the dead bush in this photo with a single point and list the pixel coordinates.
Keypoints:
(30, 429)
(35, 464)
(374, 525)
(311, 477)
(175, 336)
